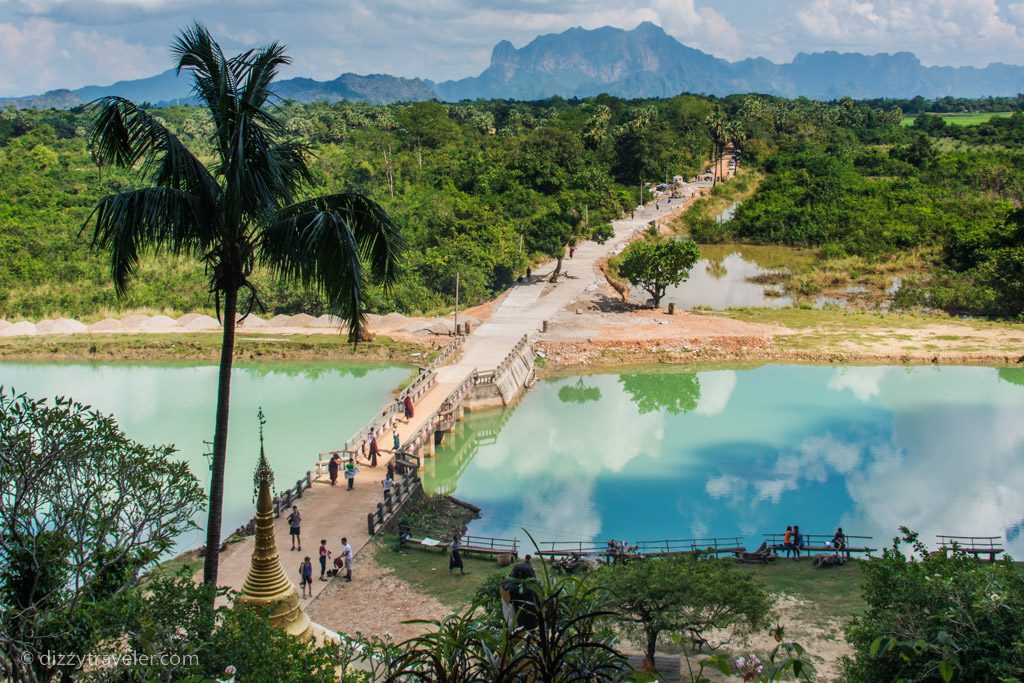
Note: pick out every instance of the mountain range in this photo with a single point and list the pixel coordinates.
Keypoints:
(643, 62)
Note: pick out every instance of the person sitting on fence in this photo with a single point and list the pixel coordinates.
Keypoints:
(839, 540)
(787, 541)
(351, 470)
(388, 484)
(332, 468)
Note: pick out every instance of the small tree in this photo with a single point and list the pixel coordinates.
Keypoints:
(656, 265)
(83, 511)
(684, 595)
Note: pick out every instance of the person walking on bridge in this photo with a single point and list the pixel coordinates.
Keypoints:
(332, 468)
(350, 472)
(374, 449)
(397, 440)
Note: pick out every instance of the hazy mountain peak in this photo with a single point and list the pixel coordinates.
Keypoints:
(642, 62)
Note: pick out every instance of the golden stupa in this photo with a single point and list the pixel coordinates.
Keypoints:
(267, 588)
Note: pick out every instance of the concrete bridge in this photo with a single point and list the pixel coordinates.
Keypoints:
(490, 367)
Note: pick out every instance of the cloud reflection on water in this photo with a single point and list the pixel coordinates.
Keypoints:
(937, 449)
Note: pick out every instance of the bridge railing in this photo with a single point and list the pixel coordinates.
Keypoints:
(442, 414)
(393, 501)
(491, 376)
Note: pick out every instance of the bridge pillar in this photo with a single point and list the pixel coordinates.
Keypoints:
(428, 445)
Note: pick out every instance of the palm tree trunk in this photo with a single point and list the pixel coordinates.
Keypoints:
(220, 440)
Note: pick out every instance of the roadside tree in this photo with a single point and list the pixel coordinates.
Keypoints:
(656, 265)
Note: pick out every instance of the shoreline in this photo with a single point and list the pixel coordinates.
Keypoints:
(560, 357)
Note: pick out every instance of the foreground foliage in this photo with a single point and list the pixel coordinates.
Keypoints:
(938, 617)
(687, 596)
(84, 511)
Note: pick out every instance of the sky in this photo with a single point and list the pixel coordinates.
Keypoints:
(47, 44)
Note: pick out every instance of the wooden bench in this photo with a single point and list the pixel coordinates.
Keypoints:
(822, 543)
(718, 545)
(480, 545)
(972, 545)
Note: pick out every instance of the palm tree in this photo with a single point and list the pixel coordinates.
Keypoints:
(239, 212)
(717, 130)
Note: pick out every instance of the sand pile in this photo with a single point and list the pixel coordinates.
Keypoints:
(107, 325)
(200, 322)
(67, 326)
(19, 329)
(158, 323)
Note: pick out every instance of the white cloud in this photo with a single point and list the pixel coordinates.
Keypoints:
(940, 32)
(716, 389)
(40, 55)
(865, 383)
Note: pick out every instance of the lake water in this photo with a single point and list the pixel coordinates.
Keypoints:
(721, 279)
(676, 454)
(310, 409)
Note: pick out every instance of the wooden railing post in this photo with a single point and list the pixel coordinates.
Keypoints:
(369, 522)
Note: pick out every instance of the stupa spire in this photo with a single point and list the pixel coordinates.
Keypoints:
(266, 586)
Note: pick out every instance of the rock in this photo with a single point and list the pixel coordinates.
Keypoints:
(441, 327)
(44, 326)
(22, 328)
(107, 325)
(374, 320)
(201, 322)
(158, 323)
(68, 326)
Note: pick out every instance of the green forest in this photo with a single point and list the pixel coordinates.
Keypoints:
(482, 189)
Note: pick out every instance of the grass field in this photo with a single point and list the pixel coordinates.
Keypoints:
(967, 119)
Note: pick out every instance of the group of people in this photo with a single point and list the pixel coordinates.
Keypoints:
(793, 541)
(342, 562)
(350, 467)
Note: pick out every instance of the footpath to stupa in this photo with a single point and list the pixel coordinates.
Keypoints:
(334, 512)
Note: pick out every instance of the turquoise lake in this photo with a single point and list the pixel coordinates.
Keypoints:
(669, 455)
(310, 409)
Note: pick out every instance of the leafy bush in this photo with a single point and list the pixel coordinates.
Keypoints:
(925, 610)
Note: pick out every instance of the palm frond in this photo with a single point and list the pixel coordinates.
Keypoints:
(338, 244)
(125, 135)
(151, 218)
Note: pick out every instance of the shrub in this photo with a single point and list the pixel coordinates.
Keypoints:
(930, 616)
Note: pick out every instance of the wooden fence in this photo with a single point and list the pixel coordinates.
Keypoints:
(393, 501)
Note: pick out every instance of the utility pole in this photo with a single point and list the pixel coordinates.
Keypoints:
(456, 304)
